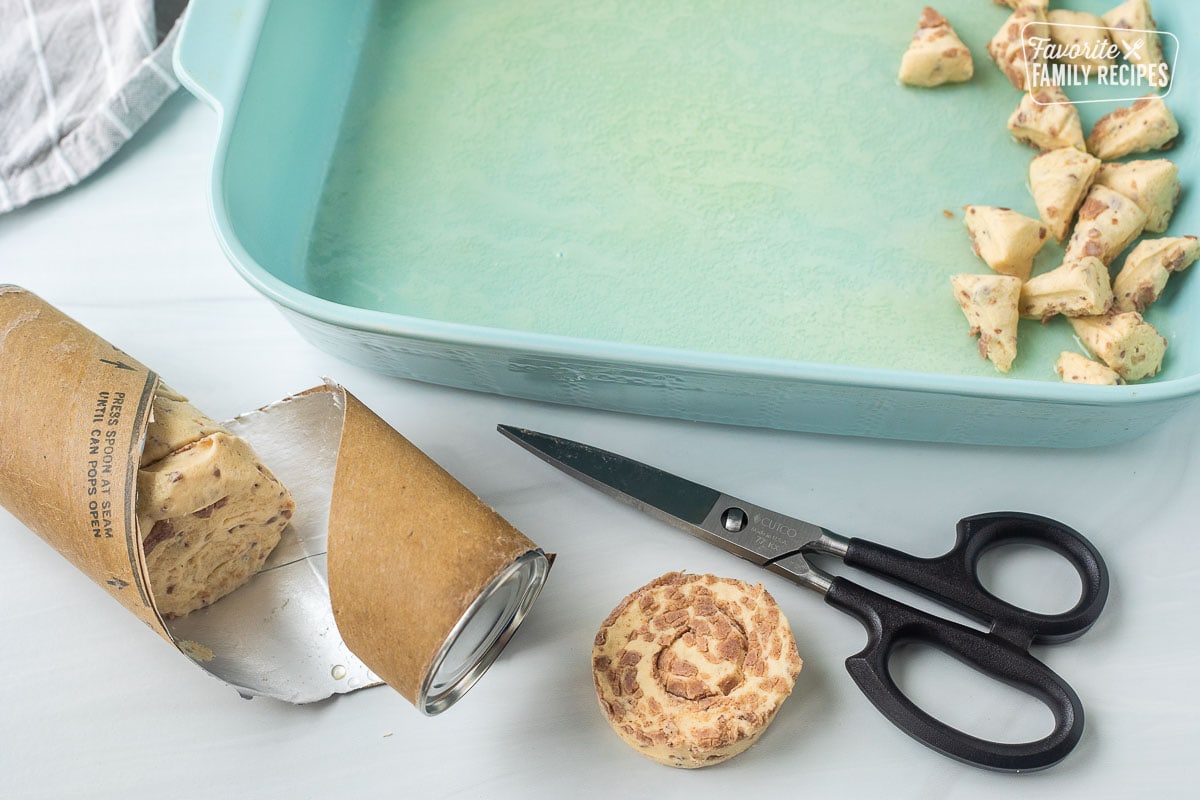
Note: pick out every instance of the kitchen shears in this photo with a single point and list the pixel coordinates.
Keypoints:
(782, 544)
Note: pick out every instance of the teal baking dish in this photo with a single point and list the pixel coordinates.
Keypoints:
(727, 212)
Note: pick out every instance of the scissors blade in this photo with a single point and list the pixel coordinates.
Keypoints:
(744, 529)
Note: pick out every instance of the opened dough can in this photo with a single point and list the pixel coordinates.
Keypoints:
(388, 570)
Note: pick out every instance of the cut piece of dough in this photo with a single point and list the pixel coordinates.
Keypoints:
(1146, 125)
(1148, 266)
(1083, 36)
(1153, 184)
(1108, 223)
(1007, 47)
(1131, 25)
(990, 304)
(1047, 119)
(1059, 180)
(935, 55)
(1006, 240)
(1074, 289)
(210, 513)
(1128, 344)
(691, 669)
(1076, 368)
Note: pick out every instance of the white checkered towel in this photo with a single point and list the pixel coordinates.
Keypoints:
(77, 79)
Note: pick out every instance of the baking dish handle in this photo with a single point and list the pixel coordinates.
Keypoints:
(216, 48)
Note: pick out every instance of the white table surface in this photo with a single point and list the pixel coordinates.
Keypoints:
(93, 704)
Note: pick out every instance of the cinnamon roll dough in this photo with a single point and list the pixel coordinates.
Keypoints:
(691, 669)
(209, 512)
(935, 55)
(174, 423)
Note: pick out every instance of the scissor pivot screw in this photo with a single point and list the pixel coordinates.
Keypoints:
(734, 519)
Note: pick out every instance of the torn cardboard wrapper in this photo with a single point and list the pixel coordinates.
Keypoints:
(391, 571)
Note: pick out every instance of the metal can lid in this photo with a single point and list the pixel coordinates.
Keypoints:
(482, 632)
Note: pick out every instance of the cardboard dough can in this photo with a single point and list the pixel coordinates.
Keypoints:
(391, 571)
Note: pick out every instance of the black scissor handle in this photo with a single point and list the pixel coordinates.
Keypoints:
(953, 578)
(890, 624)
